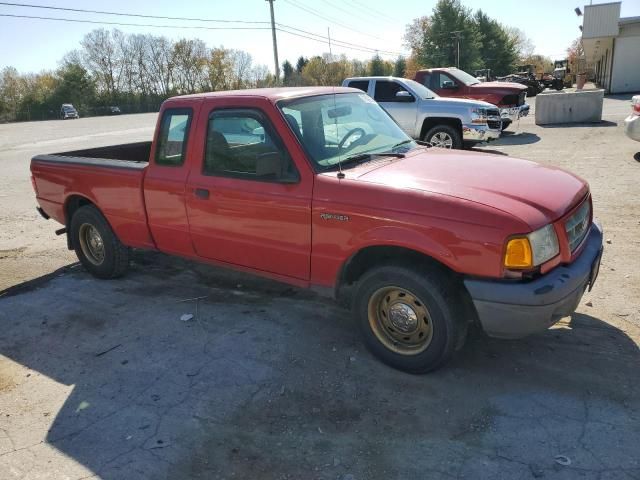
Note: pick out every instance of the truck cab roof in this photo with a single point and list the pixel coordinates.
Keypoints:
(272, 94)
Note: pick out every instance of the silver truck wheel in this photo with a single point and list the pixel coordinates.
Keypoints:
(444, 136)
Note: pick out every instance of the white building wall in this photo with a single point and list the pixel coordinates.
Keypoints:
(601, 20)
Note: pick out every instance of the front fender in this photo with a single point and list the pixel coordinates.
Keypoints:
(396, 236)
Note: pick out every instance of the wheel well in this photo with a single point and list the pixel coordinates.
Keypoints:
(431, 122)
(74, 202)
(369, 257)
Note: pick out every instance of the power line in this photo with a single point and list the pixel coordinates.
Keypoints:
(122, 14)
(353, 11)
(373, 11)
(344, 44)
(321, 38)
(335, 41)
(329, 19)
(103, 22)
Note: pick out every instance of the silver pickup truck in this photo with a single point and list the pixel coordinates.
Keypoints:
(422, 114)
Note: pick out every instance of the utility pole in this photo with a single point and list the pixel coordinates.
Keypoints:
(456, 35)
(275, 42)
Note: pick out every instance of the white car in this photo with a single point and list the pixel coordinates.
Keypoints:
(632, 122)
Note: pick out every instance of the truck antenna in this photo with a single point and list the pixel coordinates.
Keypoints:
(340, 172)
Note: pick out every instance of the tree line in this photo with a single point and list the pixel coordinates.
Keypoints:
(454, 34)
(137, 72)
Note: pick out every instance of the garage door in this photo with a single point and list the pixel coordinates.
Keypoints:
(626, 74)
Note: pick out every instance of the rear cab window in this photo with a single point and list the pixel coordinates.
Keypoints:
(173, 136)
(360, 85)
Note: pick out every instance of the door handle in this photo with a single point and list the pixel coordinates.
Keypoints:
(201, 193)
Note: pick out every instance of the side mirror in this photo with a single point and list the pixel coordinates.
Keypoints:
(404, 96)
(449, 85)
(273, 166)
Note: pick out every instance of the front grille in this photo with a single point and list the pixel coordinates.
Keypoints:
(494, 124)
(577, 225)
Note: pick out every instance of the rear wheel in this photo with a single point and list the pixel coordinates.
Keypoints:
(444, 136)
(410, 319)
(97, 247)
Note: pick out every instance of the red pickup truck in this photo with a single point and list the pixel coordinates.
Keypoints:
(509, 97)
(320, 188)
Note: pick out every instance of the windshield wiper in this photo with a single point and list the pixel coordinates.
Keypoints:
(399, 144)
(363, 157)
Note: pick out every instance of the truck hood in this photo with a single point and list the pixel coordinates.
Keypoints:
(493, 86)
(461, 102)
(534, 193)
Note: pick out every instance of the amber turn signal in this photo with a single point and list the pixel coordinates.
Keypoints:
(518, 254)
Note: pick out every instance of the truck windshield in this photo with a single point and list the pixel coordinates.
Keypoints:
(334, 127)
(464, 77)
(420, 90)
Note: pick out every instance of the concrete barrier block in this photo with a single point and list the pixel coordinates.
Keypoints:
(569, 107)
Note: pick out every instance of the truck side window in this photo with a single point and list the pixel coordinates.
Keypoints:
(172, 139)
(386, 91)
(360, 85)
(243, 144)
(427, 80)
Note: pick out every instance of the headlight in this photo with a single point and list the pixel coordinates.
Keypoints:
(533, 249)
(479, 115)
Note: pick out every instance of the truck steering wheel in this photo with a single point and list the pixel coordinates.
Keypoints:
(349, 134)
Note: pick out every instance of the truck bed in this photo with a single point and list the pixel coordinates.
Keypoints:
(110, 177)
(126, 155)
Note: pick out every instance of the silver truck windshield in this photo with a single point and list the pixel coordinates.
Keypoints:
(420, 90)
(334, 127)
(464, 77)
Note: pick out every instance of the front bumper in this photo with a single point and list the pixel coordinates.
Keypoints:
(515, 310)
(512, 114)
(632, 127)
(479, 133)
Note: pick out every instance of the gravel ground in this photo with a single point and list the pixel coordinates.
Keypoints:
(103, 380)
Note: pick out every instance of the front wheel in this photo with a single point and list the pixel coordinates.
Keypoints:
(97, 247)
(444, 136)
(410, 319)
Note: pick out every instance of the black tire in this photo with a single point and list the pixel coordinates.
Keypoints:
(115, 256)
(505, 125)
(430, 288)
(452, 132)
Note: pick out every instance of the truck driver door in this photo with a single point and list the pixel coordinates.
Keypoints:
(246, 201)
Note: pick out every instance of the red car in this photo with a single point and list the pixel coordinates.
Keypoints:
(451, 82)
(320, 188)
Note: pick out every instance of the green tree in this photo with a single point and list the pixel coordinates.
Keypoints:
(300, 64)
(287, 72)
(399, 67)
(376, 66)
(498, 50)
(74, 85)
(436, 41)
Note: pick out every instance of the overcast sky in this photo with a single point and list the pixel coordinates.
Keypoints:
(32, 45)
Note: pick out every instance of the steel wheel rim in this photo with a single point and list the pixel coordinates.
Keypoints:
(91, 244)
(441, 140)
(400, 320)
